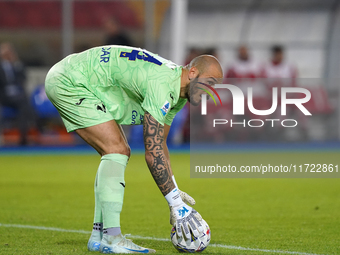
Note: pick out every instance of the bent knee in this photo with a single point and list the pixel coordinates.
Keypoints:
(122, 149)
(126, 151)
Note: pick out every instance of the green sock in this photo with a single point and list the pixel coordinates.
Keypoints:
(110, 189)
(98, 218)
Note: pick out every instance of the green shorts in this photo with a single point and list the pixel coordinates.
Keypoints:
(77, 106)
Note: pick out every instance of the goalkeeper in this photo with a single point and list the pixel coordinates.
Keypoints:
(97, 91)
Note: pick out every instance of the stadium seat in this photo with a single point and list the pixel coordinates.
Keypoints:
(7, 113)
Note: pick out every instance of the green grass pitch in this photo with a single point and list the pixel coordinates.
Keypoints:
(296, 215)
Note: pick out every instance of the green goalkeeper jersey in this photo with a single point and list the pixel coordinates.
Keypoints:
(129, 81)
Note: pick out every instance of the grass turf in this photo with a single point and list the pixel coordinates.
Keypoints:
(301, 215)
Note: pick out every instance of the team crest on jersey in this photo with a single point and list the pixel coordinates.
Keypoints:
(165, 108)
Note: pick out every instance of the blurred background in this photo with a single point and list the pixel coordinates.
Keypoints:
(294, 43)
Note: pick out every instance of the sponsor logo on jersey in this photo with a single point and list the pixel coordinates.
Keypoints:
(165, 108)
(134, 117)
(80, 101)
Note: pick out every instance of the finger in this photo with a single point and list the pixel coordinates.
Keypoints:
(172, 216)
(198, 222)
(197, 215)
(187, 199)
(193, 228)
(186, 229)
(179, 228)
(194, 225)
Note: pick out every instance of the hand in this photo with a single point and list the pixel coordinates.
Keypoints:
(186, 199)
(186, 218)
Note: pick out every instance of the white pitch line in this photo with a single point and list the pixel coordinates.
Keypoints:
(44, 228)
(230, 247)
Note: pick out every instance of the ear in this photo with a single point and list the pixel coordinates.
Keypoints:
(193, 73)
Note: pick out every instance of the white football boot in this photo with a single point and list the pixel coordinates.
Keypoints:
(119, 244)
(94, 241)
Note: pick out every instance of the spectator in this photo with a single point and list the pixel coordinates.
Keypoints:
(114, 34)
(244, 73)
(280, 73)
(244, 66)
(277, 69)
(12, 90)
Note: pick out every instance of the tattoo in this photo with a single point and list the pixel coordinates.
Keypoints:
(157, 162)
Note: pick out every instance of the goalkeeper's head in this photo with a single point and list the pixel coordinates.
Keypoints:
(202, 72)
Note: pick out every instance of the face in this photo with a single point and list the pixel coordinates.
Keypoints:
(7, 52)
(278, 57)
(243, 53)
(199, 85)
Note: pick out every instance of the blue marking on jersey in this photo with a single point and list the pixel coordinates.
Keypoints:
(134, 116)
(134, 54)
(105, 57)
(165, 108)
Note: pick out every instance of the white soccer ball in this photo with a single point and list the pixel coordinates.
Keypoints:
(194, 244)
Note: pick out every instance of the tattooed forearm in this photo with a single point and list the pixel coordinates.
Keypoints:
(154, 153)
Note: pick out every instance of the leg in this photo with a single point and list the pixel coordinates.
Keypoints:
(78, 108)
(106, 138)
(110, 142)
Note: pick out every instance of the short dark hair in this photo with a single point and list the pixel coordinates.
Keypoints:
(277, 49)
